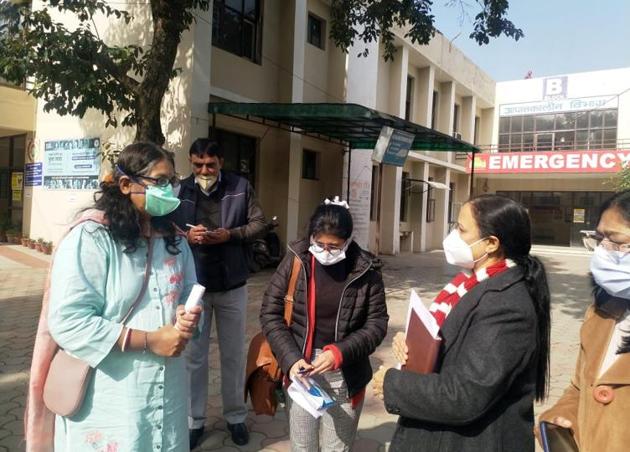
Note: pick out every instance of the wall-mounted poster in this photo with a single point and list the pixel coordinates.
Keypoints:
(33, 174)
(17, 179)
(72, 164)
(579, 215)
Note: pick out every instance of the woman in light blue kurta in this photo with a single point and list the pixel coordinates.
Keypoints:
(137, 398)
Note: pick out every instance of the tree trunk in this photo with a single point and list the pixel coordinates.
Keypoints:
(168, 25)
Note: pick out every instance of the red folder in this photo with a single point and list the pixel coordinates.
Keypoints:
(423, 347)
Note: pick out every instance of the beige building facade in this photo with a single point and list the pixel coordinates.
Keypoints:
(17, 122)
(278, 52)
(558, 142)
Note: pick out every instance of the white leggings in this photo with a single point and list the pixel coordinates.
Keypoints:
(335, 429)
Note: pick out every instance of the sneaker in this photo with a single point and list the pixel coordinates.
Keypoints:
(195, 435)
(240, 434)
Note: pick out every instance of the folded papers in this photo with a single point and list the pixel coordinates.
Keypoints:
(314, 400)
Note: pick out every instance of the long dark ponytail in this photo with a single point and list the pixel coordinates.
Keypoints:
(509, 221)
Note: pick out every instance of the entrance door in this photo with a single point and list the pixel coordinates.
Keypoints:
(12, 151)
(543, 141)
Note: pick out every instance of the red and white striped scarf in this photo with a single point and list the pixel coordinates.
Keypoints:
(460, 285)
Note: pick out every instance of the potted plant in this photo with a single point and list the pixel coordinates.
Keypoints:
(25, 241)
(47, 247)
(18, 233)
(39, 245)
(32, 243)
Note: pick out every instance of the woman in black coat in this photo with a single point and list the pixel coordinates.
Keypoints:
(493, 361)
(339, 318)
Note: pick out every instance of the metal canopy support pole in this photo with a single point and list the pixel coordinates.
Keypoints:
(349, 172)
(472, 174)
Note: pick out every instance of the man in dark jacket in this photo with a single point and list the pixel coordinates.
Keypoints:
(221, 215)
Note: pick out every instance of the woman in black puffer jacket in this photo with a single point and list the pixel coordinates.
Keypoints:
(339, 318)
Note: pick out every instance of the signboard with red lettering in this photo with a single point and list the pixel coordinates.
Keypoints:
(550, 162)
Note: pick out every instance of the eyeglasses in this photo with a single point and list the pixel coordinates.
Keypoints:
(609, 245)
(161, 181)
(319, 247)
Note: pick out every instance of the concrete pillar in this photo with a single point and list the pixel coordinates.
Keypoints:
(361, 76)
(398, 82)
(198, 89)
(446, 112)
(441, 208)
(486, 126)
(360, 191)
(390, 210)
(469, 109)
(446, 108)
(425, 202)
(392, 175)
(295, 140)
(423, 96)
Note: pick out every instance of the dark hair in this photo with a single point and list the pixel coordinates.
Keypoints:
(137, 159)
(205, 147)
(331, 219)
(509, 221)
(621, 202)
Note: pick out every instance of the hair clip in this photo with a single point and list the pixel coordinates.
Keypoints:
(336, 202)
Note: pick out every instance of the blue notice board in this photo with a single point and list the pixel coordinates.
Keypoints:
(33, 174)
(392, 146)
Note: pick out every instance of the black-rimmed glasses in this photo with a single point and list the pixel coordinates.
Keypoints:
(161, 181)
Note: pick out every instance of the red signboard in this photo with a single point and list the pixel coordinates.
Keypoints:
(550, 162)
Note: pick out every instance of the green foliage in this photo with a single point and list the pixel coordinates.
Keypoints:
(74, 69)
(621, 180)
(367, 20)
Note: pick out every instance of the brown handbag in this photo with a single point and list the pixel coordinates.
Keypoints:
(263, 377)
(69, 377)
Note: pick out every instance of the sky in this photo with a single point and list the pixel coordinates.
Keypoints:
(561, 36)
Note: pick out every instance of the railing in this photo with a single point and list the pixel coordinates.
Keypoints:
(578, 146)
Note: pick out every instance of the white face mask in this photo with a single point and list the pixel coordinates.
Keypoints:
(325, 257)
(611, 271)
(206, 182)
(458, 252)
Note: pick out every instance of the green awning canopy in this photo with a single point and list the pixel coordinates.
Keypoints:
(348, 124)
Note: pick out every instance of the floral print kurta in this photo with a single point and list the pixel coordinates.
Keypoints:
(136, 401)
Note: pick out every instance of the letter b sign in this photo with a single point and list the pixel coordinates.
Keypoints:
(555, 88)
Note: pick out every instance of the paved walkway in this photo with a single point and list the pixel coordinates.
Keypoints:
(22, 274)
